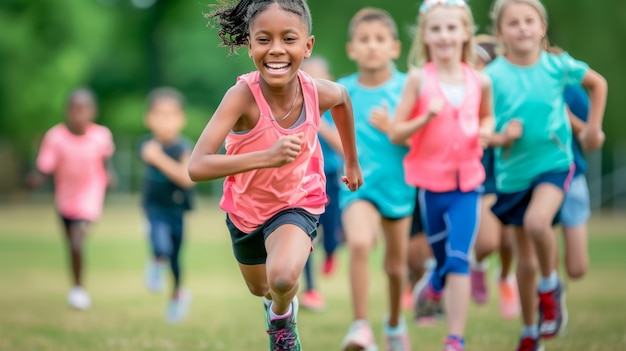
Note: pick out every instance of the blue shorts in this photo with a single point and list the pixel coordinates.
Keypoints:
(576, 209)
(249, 248)
(510, 208)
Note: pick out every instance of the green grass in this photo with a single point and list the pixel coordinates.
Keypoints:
(34, 281)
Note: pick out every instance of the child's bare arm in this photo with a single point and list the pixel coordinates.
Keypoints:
(592, 136)
(174, 170)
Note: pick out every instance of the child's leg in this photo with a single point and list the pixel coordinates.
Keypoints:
(308, 277)
(419, 253)
(361, 222)
(576, 253)
(395, 262)
(288, 249)
(526, 278)
(544, 205)
(488, 237)
(330, 220)
(174, 258)
(75, 232)
(463, 220)
(507, 250)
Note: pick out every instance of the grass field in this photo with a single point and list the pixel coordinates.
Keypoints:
(34, 282)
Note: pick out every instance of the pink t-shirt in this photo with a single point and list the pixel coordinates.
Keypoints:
(77, 163)
(252, 197)
(445, 154)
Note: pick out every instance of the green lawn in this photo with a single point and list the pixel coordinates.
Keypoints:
(224, 316)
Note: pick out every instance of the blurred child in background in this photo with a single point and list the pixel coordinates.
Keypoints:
(534, 168)
(330, 220)
(166, 194)
(492, 235)
(385, 199)
(446, 113)
(77, 155)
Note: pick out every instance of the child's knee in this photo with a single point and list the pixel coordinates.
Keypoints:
(527, 264)
(537, 225)
(282, 283)
(258, 289)
(577, 270)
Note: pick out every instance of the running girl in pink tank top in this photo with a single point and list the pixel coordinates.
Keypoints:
(274, 187)
(446, 114)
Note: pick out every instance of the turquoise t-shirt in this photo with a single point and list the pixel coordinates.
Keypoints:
(380, 160)
(333, 162)
(534, 95)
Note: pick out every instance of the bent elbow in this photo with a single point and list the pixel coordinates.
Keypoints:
(194, 172)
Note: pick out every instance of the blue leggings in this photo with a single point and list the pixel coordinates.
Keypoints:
(450, 221)
(166, 239)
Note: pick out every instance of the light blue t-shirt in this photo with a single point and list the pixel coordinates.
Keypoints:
(332, 160)
(380, 160)
(534, 95)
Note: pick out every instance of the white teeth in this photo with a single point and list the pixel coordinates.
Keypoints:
(276, 65)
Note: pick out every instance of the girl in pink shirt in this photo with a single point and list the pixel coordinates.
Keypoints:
(77, 154)
(274, 185)
(446, 114)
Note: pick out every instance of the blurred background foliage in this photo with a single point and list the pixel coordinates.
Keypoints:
(124, 48)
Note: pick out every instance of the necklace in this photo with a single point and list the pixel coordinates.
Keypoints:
(293, 103)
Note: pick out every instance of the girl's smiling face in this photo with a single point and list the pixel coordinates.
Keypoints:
(445, 32)
(279, 41)
(521, 28)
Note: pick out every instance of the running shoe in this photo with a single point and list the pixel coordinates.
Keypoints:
(283, 332)
(508, 298)
(359, 338)
(478, 278)
(551, 312)
(178, 307)
(312, 300)
(528, 343)
(396, 338)
(78, 298)
(428, 307)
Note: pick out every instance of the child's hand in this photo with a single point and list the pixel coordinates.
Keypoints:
(379, 118)
(151, 151)
(591, 138)
(484, 136)
(285, 149)
(434, 107)
(353, 178)
(513, 130)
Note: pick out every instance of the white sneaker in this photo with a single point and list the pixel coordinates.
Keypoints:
(78, 298)
(360, 337)
(153, 275)
(179, 307)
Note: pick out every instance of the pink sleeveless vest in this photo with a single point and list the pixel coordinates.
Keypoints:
(252, 197)
(445, 154)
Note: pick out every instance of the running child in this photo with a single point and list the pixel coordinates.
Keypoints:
(274, 190)
(77, 155)
(385, 199)
(446, 112)
(534, 169)
(330, 220)
(166, 194)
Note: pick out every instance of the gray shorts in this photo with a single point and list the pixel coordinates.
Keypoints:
(576, 210)
(249, 248)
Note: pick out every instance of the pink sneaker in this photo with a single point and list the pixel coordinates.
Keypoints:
(312, 300)
(509, 298)
(480, 294)
(329, 265)
(407, 299)
(453, 345)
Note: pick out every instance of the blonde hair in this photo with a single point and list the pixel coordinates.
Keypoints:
(500, 5)
(419, 53)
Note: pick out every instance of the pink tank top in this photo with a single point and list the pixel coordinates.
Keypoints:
(252, 197)
(445, 154)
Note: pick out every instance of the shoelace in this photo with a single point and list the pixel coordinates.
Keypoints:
(527, 344)
(284, 338)
(548, 306)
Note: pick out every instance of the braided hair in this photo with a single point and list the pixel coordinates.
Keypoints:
(234, 20)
